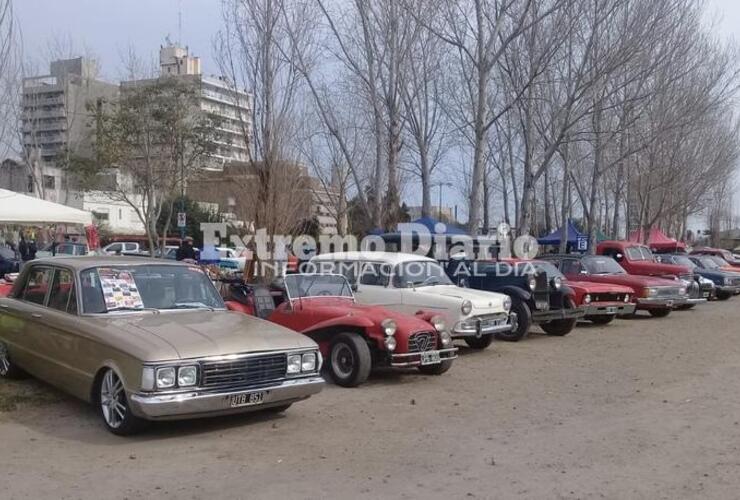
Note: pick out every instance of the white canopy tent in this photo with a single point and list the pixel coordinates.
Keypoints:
(16, 208)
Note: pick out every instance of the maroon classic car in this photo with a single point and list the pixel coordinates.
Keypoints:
(637, 258)
(658, 296)
(718, 252)
(353, 338)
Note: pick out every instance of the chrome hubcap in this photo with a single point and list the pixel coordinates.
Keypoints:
(4, 361)
(112, 399)
(342, 360)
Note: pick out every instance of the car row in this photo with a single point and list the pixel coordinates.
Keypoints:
(151, 339)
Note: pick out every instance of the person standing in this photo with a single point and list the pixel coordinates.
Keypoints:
(186, 250)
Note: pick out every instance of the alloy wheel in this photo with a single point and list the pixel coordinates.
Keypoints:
(4, 360)
(112, 400)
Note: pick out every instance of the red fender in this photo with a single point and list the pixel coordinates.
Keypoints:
(353, 322)
(233, 305)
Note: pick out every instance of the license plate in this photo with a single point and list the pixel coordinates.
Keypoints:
(669, 303)
(430, 358)
(247, 399)
(611, 310)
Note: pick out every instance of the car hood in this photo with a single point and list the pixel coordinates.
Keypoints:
(635, 281)
(194, 334)
(482, 301)
(648, 268)
(589, 287)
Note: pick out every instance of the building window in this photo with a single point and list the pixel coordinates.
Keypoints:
(49, 182)
(100, 216)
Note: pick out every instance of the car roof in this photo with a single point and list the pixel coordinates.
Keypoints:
(386, 257)
(86, 261)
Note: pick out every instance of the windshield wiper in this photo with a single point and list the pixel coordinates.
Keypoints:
(193, 305)
(129, 309)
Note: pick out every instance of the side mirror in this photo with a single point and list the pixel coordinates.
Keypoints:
(619, 257)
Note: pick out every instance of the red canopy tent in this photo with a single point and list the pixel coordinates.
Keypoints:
(658, 241)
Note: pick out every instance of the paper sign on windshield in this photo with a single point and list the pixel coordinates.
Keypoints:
(119, 290)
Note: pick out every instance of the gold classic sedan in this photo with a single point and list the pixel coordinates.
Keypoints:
(147, 339)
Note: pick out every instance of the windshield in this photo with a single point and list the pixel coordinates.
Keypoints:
(419, 273)
(602, 265)
(639, 253)
(543, 267)
(317, 285)
(712, 262)
(681, 260)
(126, 288)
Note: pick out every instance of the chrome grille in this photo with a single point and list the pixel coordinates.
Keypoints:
(244, 372)
(424, 341)
(607, 297)
(668, 291)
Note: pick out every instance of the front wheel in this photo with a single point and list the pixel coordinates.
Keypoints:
(114, 408)
(437, 369)
(723, 295)
(7, 368)
(601, 319)
(523, 322)
(479, 342)
(561, 327)
(659, 313)
(349, 360)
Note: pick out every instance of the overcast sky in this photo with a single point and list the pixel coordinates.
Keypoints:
(107, 28)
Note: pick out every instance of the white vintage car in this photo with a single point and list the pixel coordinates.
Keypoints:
(410, 283)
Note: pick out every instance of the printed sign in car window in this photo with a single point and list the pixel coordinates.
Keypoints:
(119, 289)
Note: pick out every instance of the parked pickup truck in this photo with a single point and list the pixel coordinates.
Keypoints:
(636, 258)
(656, 295)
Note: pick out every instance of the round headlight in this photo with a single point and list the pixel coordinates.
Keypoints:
(166, 377)
(682, 290)
(390, 343)
(728, 281)
(438, 323)
(507, 304)
(587, 299)
(532, 283)
(557, 282)
(445, 338)
(187, 376)
(466, 307)
(389, 327)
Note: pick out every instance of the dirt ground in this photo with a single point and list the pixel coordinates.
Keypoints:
(642, 408)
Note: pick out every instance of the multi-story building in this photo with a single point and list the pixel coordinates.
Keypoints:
(55, 121)
(218, 97)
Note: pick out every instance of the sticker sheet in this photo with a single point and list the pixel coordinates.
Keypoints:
(119, 289)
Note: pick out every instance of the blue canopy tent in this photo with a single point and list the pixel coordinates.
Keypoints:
(574, 237)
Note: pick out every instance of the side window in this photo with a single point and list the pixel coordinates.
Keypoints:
(62, 290)
(375, 274)
(36, 285)
(346, 268)
(116, 247)
(130, 247)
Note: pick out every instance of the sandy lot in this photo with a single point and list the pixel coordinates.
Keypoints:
(642, 408)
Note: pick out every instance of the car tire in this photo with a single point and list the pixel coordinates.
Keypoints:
(8, 370)
(723, 295)
(113, 406)
(561, 327)
(524, 322)
(659, 313)
(601, 319)
(479, 342)
(349, 360)
(437, 369)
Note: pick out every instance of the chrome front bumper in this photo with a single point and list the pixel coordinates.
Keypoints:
(412, 359)
(196, 403)
(607, 309)
(661, 302)
(472, 327)
(728, 288)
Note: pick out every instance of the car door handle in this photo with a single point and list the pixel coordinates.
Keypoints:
(36, 315)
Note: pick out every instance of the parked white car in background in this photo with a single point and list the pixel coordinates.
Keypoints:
(119, 247)
(410, 283)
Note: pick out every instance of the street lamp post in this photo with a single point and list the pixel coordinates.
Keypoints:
(441, 184)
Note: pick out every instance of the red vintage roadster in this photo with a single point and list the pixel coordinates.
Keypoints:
(353, 338)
